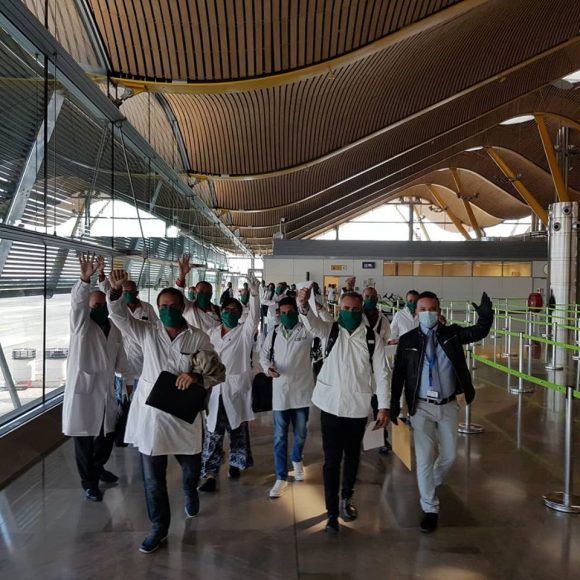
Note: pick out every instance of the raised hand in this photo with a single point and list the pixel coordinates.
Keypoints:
(184, 267)
(254, 284)
(88, 265)
(304, 296)
(485, 308)
(117, 278)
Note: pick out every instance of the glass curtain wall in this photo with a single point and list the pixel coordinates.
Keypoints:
(64, 171)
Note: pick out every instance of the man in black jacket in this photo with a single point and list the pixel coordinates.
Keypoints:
(430, 367)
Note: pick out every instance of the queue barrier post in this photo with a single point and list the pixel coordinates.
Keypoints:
(566, 501)
(508, 339)
(521, 388)
(467, 427)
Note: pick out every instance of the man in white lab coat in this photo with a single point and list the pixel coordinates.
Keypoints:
(378, 321)
(405, 319)
(285, 357)
(230, 403)
(140, 310)
(96, 352)
(200, 313)
(343, 394)
(168, 346)
(269, 302)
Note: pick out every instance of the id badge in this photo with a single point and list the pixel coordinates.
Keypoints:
(433, 395)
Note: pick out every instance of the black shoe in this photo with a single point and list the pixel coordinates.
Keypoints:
(93, 494)
(192, 505)
(429, 523)
(108, 477)
(234, 472)
(332, 527)
(348, 511)
(209, 485)
(153, 541)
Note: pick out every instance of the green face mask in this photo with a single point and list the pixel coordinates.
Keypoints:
(369, 304)
(130, 297)
(230, 319)
(278, 291)
(289, 320)
(349, 320)
(100, 314)
(245, 298)
(412, 306)
(203, 300)
(191, 295)
(171, 317)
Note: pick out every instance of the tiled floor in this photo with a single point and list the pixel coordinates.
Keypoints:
(493, 522)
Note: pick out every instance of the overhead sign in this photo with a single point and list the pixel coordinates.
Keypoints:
(338, 267)
(368, 265)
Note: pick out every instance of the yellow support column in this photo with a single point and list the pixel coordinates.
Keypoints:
(551, 157)
(466, 203)
(527, 196)
(456, 221)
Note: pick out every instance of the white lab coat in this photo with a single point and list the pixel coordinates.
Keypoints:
(199, 318)
(152, 431)
(403, 322)
(293, 388)
(89, 394)
(344, 387)
(272, 304)
(383, 328)
(144, 311)
(235, 349)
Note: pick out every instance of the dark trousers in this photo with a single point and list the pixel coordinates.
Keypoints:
(341, 436)
(91, 454)
(154, 470)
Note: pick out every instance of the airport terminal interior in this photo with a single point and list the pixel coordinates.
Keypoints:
(354, 146)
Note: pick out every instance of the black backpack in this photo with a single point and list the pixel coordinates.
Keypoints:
(262, 386)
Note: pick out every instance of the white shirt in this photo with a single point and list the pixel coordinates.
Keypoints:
(152, 431)
(293, 388)
(89, 393)
(343, 387)
(403, 322)
(235, 349)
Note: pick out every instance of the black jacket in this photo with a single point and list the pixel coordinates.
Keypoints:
(411, 353)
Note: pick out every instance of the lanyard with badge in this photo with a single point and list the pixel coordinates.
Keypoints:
(432, 394)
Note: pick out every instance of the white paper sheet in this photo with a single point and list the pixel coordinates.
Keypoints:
(373, 438)
(311, 300)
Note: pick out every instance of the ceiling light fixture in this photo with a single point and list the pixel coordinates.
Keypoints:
(476, 148)
(517, 120)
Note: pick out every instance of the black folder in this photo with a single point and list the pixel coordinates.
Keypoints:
(166, 397)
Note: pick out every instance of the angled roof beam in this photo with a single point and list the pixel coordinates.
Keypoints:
(526, 194)
(466, 202)
(557, 178)
(30, 171)
(94, 35)
(175, 129)
(456, 221)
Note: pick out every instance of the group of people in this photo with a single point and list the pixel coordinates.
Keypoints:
(116, 334)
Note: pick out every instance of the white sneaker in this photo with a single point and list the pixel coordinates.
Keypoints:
(298, 470)
(279, 488)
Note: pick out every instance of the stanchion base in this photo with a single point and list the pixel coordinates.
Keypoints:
(517, 391)
(553, 368)
(555, 501)
(471, 429)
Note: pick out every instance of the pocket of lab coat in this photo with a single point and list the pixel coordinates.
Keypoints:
(84, 383)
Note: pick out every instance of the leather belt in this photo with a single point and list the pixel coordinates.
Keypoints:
(441, 402)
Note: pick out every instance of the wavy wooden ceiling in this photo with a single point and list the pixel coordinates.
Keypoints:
(408, 86)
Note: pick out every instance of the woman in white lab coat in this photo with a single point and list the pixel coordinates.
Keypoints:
(166, 347)
(230, 404)
(89, 410)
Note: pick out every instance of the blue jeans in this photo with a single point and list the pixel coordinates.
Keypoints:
(282, 420)
(119, 388)
(155, 482)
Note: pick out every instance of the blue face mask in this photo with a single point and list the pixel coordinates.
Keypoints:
(428, 319)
